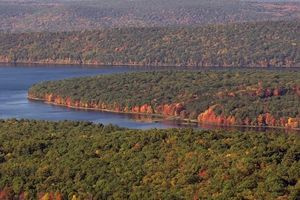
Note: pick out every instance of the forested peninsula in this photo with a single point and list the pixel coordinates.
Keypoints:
(257, 98)
(255, 44)
(80, 160)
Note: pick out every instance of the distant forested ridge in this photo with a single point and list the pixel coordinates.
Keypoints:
(70, 15)
(238, 97)
(248, 44)
(80, 160)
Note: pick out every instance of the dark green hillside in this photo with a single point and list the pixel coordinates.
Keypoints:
(79, 160)
(249, 44)
(232, 97)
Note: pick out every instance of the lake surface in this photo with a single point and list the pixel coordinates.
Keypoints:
(15, 81)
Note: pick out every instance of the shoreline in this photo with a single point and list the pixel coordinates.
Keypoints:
(182, 121)
(99, 64)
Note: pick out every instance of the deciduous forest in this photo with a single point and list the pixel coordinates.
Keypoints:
(224, 97)
(228, 64)
(259, 44)
(80, 160)
(70, 15)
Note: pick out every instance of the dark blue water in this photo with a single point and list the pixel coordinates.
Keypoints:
(15, 81)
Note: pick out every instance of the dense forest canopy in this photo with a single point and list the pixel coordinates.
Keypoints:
(247, 44)
(80, 160)
(225, 97)
(59, 15)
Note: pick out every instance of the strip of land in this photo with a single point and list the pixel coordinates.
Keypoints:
(225, 98)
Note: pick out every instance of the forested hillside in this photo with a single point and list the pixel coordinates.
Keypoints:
(250, 98)
(79, 160)
(247, 44)
(67, 15)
